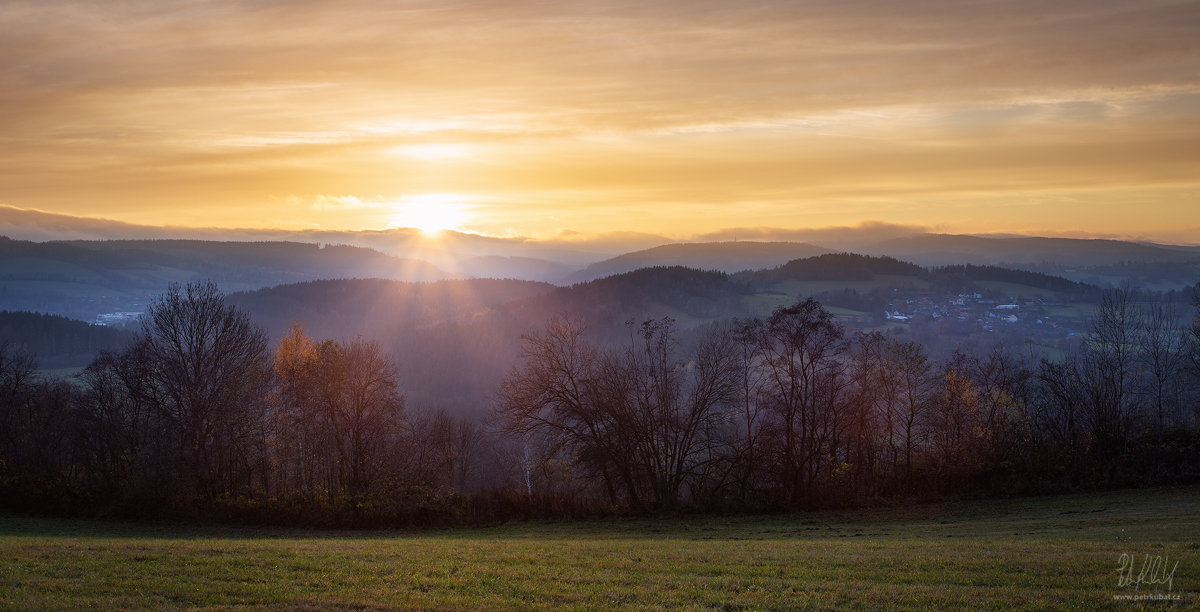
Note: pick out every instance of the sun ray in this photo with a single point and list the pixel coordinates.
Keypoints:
(431, 212)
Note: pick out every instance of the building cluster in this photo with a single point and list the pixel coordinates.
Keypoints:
(972, 309)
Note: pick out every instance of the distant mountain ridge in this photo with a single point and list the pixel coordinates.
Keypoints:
(954, 249)
(338, 308)
(82, 279)
(255, 262)
(720, 256)
(520, 268)
(455, 340)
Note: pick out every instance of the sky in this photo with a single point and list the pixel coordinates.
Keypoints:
(557, 119)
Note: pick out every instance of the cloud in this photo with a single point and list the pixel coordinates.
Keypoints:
(335, 203)
(842, 237)
(705, 114)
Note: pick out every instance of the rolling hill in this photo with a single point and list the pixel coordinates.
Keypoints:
(58, 342)
(455, 340)
(83, 279)
(720, 256)
(520, 268)
(948, 249)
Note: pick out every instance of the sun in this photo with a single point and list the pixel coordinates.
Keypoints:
(431, 212)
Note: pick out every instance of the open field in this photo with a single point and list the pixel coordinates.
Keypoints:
(1079, 310)
(1037, 553)
(798, 288)
(761, 305)
(1018, 291)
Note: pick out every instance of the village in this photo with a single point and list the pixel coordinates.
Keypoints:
(1008, 319)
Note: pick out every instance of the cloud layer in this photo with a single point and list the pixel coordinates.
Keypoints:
(600, 116)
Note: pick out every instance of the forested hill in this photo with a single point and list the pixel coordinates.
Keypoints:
(269, 263)
(351, 306)
(946, 249)
(954, 278)
(835, 266)
(151, 264)
(83, 279)
(854, 267)
(721, 256)
(343, 308)
(685, 294)
(58, 342)
(455, 340)
(75, 263)
(346, 307)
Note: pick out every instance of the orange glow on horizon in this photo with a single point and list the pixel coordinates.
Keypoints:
(679, 120)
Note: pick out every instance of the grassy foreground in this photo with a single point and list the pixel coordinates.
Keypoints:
(1039, 553)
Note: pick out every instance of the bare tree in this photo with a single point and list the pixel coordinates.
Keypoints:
(548, 401)
(1002, 381)
(956, 425)
(369, 416)
(753, 400)
(17, 375)
(1161, 357)
(1193, 335)
(202, 370)
(802, 350)
(1059, 415)
(680, 406)
(297, 428)
(640, 418)
(1107, 370)
(911, 383)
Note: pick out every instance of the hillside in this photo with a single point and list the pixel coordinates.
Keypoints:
(58, 342)
(1155, 276)
(961, 278)
(344, 307)
(249, 265)
(83, 279)
(720, 256)
(835, 267)
(520, 268)
(947, 249)
(455, 340)
(450, 348)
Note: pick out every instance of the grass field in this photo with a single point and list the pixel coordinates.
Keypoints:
(881, 281)
(1037, 553)
(1016, 291)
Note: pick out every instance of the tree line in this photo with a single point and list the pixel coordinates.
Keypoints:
(56, 340)
(200, 416)
(791, 411)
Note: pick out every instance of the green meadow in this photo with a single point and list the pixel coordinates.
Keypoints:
(880, 281)
(1033, 553)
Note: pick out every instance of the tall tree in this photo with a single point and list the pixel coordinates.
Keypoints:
(1107, 369)
(1161, 359)
(802, 348)
(202, 369)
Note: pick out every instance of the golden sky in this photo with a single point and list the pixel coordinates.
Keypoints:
(678, 118)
